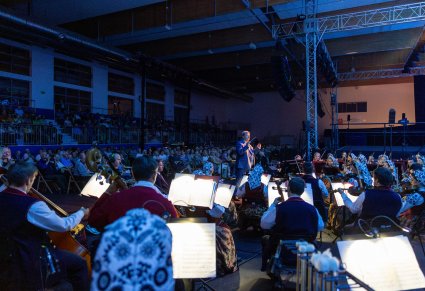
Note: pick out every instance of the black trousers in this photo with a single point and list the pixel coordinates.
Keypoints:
(74, 270)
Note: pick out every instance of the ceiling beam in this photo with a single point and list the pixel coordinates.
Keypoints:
(56, 12)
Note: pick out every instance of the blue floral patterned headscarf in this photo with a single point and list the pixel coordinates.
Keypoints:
(254, 179)
(134, 254)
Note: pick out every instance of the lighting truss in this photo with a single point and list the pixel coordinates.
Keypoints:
(356, 20)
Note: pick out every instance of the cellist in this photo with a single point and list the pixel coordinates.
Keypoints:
(27, 257)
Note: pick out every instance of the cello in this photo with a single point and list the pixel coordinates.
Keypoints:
(62, 240)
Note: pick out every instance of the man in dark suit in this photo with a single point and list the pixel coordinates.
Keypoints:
(245, 158)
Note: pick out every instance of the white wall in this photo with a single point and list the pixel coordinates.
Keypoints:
(270, 115)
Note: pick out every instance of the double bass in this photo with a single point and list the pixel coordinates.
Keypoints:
(62, 240)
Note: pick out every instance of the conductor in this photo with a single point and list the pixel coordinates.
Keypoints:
(245, 158)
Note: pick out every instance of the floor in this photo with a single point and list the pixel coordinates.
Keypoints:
(248, 246)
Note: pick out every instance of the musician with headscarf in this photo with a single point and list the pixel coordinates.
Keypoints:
(417, 187)
(134, 254)
(253, 199)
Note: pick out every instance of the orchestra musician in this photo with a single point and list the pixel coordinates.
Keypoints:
(144, 194)
(291, 219)
(317, 157)
(160, 181)
(381, 200)
(23, 237)
(319, 190)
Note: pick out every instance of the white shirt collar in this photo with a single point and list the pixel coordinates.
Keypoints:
(148, 184)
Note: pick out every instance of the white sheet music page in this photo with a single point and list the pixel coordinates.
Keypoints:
(307, 196)
(265, 178)
(202, 193)
(193, 251)
(272, 194)
(180, 189)
(224, 194)
(243, 180)
(96, 186)
(384, 264)
(337, 195)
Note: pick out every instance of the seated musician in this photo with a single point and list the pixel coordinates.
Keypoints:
(319, 190)
(417, 185)
(381, 200)
(291, 219)
(144, 194)
(23, 233)
(317, 157)
(160, 181)
(253, 200)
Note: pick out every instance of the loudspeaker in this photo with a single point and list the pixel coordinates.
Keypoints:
(348, 117)
(283, 77)
(320, 111)
(391, 116)
(419, 85)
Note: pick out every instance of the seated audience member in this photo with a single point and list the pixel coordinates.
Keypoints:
(23, 238)
(47, 167)
(65, 159)
(381, 200)
(81, 167)
(118, 252)
(6, 158)
(160, 181)
(291, 219)
(144, 194)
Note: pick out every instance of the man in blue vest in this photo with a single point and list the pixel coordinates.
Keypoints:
(380, 200)
(319, 190)
(291, 219)
(25, 252)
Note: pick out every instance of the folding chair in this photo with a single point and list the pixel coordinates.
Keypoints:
(72, 180)
(40, 179)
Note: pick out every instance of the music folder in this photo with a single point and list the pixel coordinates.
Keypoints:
(265, 178)
(384, 263)
(224, 194)
(96, 186)
(193, 250)
(193, 190)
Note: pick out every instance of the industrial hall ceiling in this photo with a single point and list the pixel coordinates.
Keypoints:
(229, 42)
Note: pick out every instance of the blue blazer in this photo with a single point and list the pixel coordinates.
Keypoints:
(244, 155)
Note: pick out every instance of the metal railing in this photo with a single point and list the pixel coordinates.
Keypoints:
(104, 135)
(28, 134)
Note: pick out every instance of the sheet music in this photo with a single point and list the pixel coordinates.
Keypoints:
(202, 193)
(307, 196)
(96, 186)
(337, 195)
(194, 256)
(179, 194)
(224, 194)
(272, 194)
(265, 178)
(384, 264)
(243, 180)
(185, 190)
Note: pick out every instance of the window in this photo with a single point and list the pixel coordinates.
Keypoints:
(120, 84)
(14, 60)
(14, 92)
(352, 107)
(155, 92)
(154, 111)
(117, 105)
(71, 100)
(72, 73)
